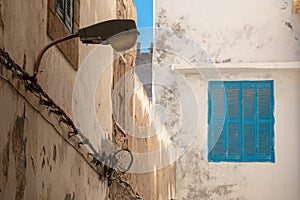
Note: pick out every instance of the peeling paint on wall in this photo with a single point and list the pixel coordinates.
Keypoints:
(240, 35)
(70, 196)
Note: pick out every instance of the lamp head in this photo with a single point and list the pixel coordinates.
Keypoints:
(119, 33)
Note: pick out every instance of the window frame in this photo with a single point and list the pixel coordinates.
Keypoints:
(61, 13)
(241, 85)
(56, 29)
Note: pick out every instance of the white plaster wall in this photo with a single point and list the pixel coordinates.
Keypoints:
(235, 30)
(199, 179)
(256, 40)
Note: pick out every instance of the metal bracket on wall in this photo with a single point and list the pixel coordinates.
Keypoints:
(296, 6)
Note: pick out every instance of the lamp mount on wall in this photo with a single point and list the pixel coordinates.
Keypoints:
(119, 33)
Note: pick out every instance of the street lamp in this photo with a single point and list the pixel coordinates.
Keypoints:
(119, 33)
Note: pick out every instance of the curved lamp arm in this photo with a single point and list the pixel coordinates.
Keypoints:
(121, 34)
(42, 52)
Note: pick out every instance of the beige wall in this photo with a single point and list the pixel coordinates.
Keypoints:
(151, 183)
(36, 161)
(39, 161)
(132, 107)
(24, 35)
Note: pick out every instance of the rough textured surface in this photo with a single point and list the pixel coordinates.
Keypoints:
(200, 179)
(159, 184)
(37, 159)
(232, 33)
(56, 30)
(34, 156)
(236, 31)
(19, 150)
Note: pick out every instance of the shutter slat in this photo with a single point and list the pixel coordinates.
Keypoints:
(69, 15)
(68, 9)
(233, 103)
(249, 139)
(217, 98)
(218, 143)
(60, 7)
(233, 139)
(248, 103)
(264, 103)
(264, 138)
(60, 4)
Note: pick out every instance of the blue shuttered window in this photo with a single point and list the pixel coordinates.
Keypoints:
(65, 12)
(240, 121)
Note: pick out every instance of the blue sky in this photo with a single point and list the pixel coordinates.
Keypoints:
(145, 20)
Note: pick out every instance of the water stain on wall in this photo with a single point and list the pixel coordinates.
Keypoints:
(5, 158)
(54, 153)
(19, 150)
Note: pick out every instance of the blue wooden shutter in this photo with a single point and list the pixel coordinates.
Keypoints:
(248, 120)
(216, 138)
(265, 121)
(233, 120)
(240, 121)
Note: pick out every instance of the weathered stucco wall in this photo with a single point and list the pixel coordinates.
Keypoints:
(24, 30)
(253, 40)
(132, 107)
(152, 183)
(200, 179)
(236, 31)
(36, 161)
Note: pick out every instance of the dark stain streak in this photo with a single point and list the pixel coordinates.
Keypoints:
(24, 62)
(32, 163)
(5, 159)
(44, 150)
(43, 163)
(222, 190)
(224, 61)
(43, 153)
(69, 196)
(54, 153)
(288, 24)
(19, 150)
